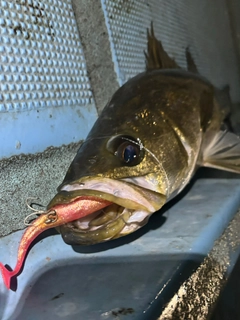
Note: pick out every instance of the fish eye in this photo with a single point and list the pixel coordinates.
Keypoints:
(128, 152)
(127, 149)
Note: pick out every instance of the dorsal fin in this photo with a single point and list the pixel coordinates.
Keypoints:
(156, 56)
(191, 66)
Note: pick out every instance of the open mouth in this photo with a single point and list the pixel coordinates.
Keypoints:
(129, 207)
(108, 223)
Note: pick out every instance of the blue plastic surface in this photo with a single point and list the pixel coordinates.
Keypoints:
(127, 277)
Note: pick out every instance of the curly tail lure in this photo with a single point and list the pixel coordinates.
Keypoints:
(54, 217)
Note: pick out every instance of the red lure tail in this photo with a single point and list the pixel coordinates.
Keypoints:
(7, 275)
(54, 217)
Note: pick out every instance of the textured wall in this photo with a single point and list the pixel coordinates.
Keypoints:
(43, 77)
(203, 26)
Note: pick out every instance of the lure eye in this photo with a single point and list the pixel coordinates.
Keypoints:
(127, 149)
(128, 153)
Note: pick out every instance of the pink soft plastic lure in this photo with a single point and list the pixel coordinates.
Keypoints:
(54, 217)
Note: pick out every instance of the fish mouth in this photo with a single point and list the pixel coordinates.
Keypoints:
(109, 223)
(130, 208)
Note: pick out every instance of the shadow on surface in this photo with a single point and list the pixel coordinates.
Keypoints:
(3, 300)
(209, 173)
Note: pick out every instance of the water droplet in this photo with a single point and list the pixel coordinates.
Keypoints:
(116, 192)
(81, 184)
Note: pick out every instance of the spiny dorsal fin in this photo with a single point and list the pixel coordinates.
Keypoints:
(191, 66)
(223, 152)
(156, 56)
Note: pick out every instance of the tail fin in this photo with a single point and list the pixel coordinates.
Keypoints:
(156, 57)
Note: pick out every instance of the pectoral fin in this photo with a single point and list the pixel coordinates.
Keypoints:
(222, 152)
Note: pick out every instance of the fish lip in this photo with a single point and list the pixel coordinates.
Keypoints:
(121, 192)
(74, 232)
(136, 202)
(65, 197)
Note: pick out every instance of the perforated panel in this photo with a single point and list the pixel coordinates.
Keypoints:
(43, 77)
(203, 26)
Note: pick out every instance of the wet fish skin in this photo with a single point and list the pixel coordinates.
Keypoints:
(169, 111)
(168, 121)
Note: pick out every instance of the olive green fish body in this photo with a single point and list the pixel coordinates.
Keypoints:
(168, 112)
(146, 145)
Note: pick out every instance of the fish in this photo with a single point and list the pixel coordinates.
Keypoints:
(143, 150)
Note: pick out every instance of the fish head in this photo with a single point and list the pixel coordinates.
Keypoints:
(118, 162)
